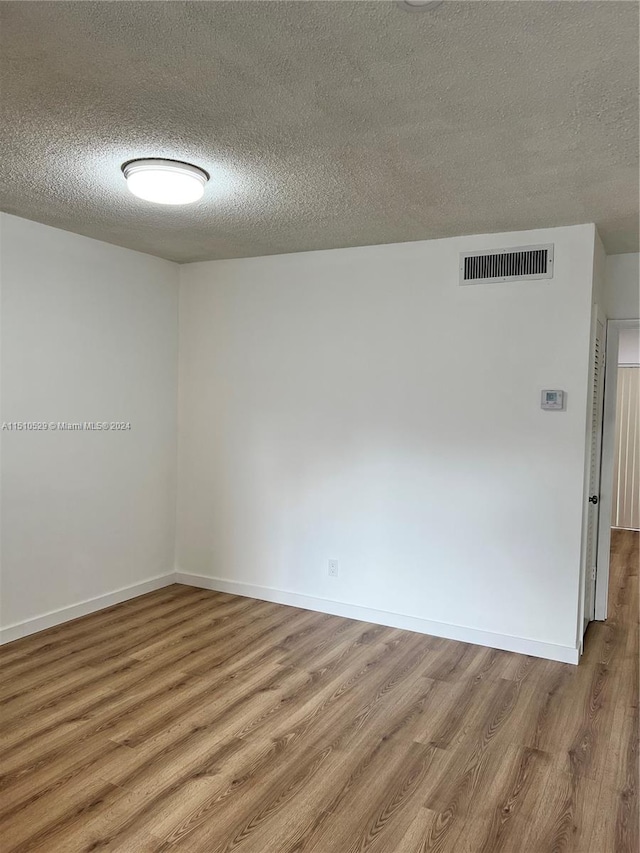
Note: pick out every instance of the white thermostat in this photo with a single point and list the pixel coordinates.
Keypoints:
(552, 400)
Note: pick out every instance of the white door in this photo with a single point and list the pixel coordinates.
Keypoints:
(595, 458)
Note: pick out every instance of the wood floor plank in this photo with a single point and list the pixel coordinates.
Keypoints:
(190, 721)
(44, 647)
(86, 653)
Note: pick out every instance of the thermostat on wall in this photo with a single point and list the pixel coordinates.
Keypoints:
(552, 400)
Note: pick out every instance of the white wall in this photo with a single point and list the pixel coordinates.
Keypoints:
(89, 333)
(600, 294)
(629, 346)
(358, 404)
(623, 286)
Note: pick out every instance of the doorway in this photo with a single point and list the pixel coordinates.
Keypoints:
(620, 468)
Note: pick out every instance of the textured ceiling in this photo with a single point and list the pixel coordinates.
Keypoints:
(323, 124)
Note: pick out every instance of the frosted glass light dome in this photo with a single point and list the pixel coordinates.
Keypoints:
(165, 181)
(419, 5)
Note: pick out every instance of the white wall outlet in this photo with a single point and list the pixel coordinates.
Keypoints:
(333, 568)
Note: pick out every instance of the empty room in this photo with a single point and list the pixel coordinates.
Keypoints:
(319, 426)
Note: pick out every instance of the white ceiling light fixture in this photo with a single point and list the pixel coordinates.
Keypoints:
(165, 181)
(419, 5)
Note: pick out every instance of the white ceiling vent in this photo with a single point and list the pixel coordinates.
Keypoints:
(528, 262)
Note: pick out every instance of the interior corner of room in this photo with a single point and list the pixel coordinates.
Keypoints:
(408, 445)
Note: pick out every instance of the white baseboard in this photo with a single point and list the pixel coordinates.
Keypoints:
(83, 608)
(521, 645)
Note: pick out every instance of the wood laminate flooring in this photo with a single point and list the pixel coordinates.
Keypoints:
(193, 721)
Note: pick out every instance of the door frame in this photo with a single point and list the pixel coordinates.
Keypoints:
(608, 461)
(586, 582)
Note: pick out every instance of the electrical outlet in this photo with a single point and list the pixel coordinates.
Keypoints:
(333, 568)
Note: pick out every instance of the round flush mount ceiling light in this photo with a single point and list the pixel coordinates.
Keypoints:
(165, 181)
(419, 5)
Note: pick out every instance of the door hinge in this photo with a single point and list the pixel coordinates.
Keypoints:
(593, 573)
